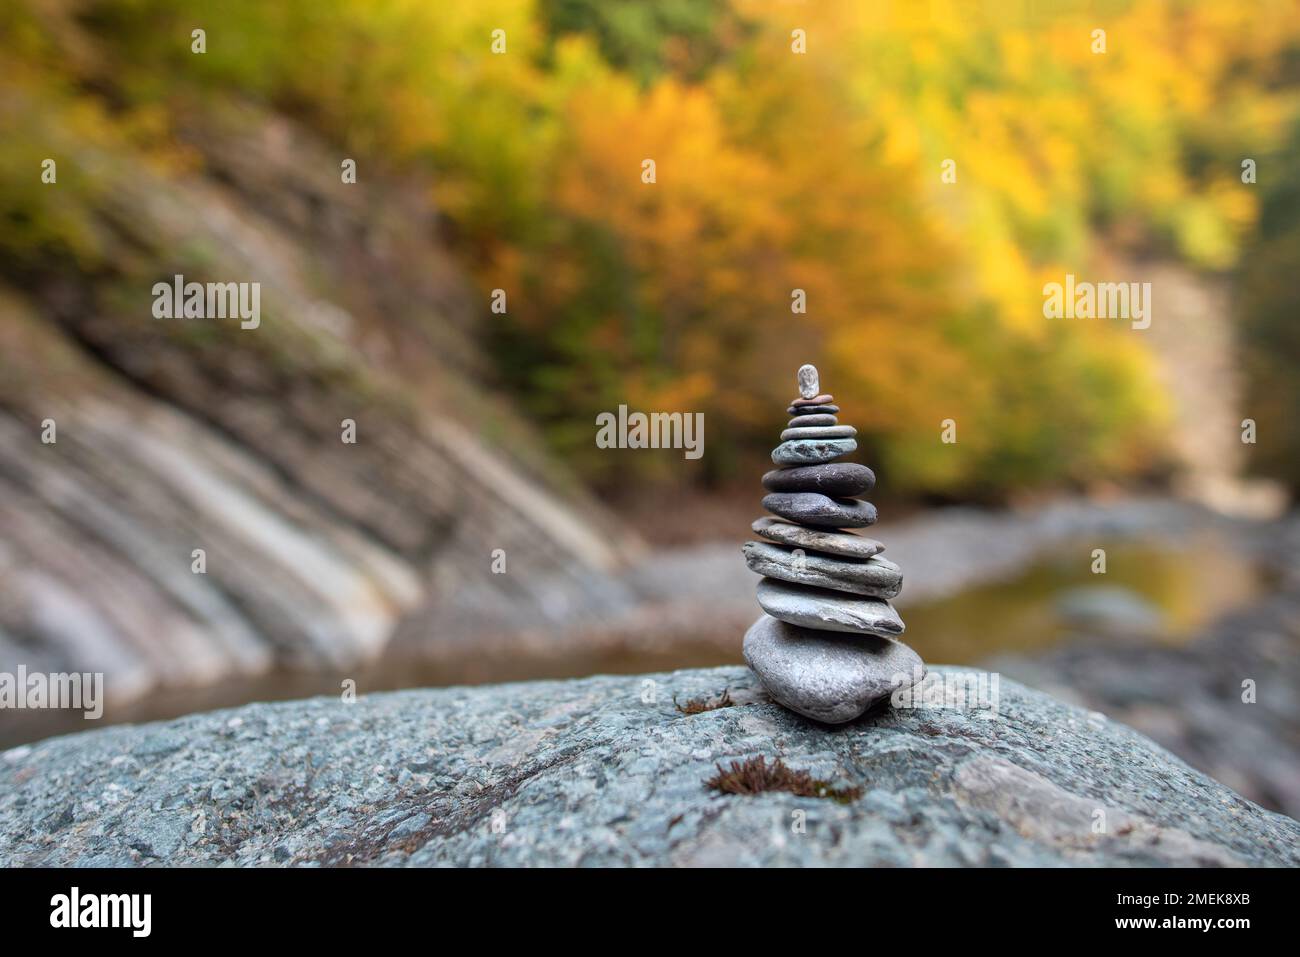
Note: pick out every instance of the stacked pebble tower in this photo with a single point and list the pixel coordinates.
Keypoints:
(826, 645)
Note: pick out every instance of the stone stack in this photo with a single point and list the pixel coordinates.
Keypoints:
(826, 645)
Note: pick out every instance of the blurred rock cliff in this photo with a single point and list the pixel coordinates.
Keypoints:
(179, 434)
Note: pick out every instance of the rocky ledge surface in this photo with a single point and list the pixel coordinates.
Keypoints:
(608, 771)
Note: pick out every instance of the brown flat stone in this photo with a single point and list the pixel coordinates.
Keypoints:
(815, 400)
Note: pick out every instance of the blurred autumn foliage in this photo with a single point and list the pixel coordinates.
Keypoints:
(775, 172)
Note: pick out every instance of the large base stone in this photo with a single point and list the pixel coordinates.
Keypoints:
(605, 771)
(824, 676)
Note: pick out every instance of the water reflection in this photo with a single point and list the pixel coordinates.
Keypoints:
(1150, 592)
(1165, 593)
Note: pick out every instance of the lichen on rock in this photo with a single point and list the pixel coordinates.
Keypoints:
(607, 771)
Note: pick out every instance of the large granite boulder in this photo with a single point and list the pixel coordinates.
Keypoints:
(608, 771)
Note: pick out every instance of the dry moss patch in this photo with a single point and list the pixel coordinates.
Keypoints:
(755, 776)
(700, 705)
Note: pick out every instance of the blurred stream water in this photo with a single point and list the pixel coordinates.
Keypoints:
(1162, 593)
(1150, 592)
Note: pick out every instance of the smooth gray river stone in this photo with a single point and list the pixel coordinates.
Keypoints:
(812, 451)
(875, 577)
(813, 508)
(825, 610)
(809, 421)
(820, 432)
(821, 540)
(833, 478)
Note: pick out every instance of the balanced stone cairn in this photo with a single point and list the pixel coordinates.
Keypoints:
(826, 645)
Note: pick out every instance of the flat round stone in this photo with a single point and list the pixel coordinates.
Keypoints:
(825, 610)
(833, 478)
(809, 381)
(829, 678)
(813, 508)
(812, 410)
(821, 432)
(825, 399)
(807, 421)
(812, 451)
(876, 577)
(832, 543)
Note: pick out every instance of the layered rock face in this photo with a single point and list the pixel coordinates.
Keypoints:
(607, 771)
(827, 645)
(129, 441)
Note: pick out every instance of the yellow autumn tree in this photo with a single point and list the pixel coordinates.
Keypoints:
(810, 172)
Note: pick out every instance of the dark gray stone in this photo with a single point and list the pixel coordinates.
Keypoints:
(812, 451)
(813, 508)
(834, 478)
(827, 677)
(827, 409)
(828, 610)
(801, 421)
(876, 577)
(820, 432)
(830, 542)
(605, 771)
